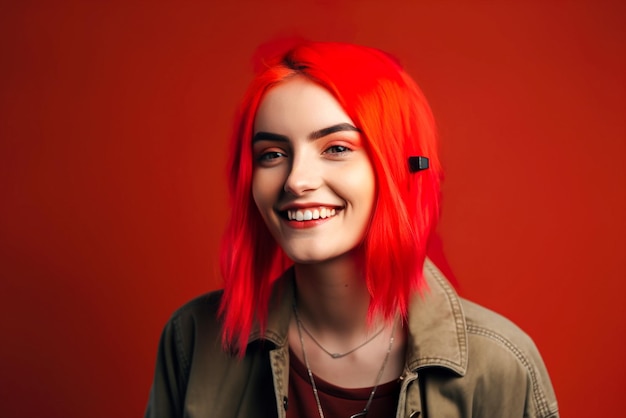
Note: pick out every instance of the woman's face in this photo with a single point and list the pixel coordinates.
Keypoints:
(313, 182)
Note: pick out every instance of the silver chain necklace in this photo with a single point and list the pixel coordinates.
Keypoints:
(340, 355)
(365, 410)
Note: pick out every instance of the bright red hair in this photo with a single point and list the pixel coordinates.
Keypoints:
(395, 122)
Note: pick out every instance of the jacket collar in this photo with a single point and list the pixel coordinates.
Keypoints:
(437, 334)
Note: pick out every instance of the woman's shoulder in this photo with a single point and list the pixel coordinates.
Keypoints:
(494, 327)
(498, 363)
(500, 352)
(496, 342)
(194, 322)
(203, 306)
(482, 329)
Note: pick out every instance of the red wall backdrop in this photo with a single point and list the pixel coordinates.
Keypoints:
(113, 123)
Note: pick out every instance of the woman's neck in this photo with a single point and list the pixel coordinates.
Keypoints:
(332, 303)
(333, 296)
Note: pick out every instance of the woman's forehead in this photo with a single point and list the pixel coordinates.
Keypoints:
(296, 106)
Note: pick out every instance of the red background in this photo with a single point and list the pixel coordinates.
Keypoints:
(113, 124)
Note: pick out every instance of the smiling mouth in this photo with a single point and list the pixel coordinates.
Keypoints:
(302, 215)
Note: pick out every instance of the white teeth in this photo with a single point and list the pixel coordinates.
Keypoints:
(310, 214)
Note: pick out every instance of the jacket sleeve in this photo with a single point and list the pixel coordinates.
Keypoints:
(170, 377)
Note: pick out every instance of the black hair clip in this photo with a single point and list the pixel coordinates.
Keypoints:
(417, 163)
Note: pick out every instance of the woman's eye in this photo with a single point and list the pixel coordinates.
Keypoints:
(270, 156)
(337, 149)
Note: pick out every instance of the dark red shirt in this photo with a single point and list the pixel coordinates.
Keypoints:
(336, 402)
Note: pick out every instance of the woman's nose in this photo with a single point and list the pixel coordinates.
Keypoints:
(304, 175)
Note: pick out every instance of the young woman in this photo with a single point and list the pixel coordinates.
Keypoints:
(330, 307)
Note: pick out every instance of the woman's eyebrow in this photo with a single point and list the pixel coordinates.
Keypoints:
(268, 136)
(332, 129)
(340, 127)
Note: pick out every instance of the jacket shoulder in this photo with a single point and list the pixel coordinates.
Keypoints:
(201, 306)
(194, 322)
(489, 324)
(501, 352)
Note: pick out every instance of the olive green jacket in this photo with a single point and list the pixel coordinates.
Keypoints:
(462, 361)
